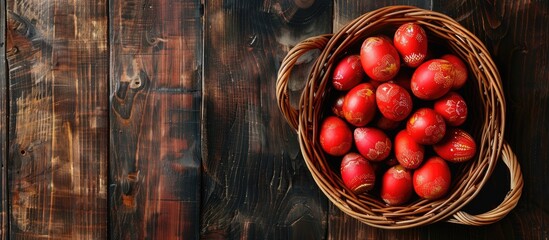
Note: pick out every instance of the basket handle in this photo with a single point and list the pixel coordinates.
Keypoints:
(317, 42)
(510, 201)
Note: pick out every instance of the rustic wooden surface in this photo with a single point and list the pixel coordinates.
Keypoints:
(58, 123)
(157, 119)
(3, 127)
(255, 184)
(156, 58)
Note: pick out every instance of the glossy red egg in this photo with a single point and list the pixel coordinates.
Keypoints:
(348, 73)
(453, 108)
(379, 58)
(432, 79)
(357, 173)
(337, 105)
(393, 101)
(411, 42)
(359, 106)
(336, 137)
(372, 143)
(426, 126)
(408, 152)
(397, 186)
(460, 74)
(432, 179)
(457, 146)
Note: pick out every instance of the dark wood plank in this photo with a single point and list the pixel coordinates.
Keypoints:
(3, 127)
(515, 33)
(156, 52)
(57, 60)
(347, 10)
(256, 185)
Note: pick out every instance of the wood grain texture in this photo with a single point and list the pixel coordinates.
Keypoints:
(3, 127)
(171, 105)
(156, 59)
(255, 183)
(347, 10)
(57, 60)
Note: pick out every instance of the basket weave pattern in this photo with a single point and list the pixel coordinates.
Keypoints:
(486, 92)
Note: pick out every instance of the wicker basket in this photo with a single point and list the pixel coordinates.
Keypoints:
(484, 89)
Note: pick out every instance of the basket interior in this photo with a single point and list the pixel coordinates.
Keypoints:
(485, 122)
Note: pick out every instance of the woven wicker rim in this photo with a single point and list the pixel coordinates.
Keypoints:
(467, 184)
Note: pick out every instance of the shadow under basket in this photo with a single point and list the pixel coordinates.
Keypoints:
(484, 92)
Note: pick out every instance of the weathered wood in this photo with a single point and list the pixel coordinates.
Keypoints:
(256, 185)
(3, 127)
(156, 59)
(57, 61)
(55, 140)
(345, 11)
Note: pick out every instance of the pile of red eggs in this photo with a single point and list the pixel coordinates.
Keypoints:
(408, 118)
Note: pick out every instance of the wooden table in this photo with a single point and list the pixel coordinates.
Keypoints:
(157, 119)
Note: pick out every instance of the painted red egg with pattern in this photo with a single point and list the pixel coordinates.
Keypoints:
(359, 106)
(393, 101)
(396, 186)
(372, 143)
(460, 74)
(411, 42)
(408, 152)
(432, 79)
(348, 73)
(453, 108)
(357, 173)
(432, 179)
(379, 58)
(336, 137)
(457, 146)
(426, 126)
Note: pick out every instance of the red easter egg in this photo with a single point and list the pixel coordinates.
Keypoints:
(426, 126)
(379, 58)
(432, 180)
(393, 101)
(357, 173)
(457, 146)
(397, 185)
(411, 42)
(348, 73)
(359, 106)
(336, 137)
(432, 79)
(453, 108)
(372, 143)
(408, 152)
